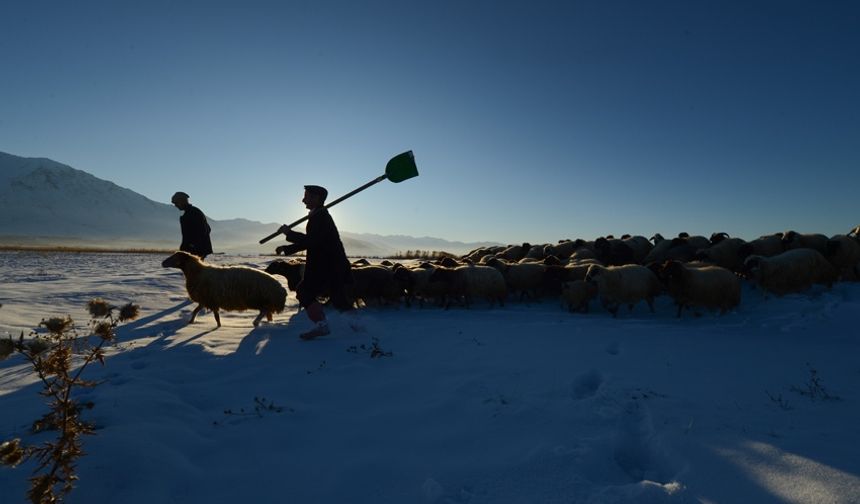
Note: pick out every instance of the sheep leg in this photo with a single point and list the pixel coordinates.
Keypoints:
(259, 317)
(269, 316)
(194, 313)
(217, 316)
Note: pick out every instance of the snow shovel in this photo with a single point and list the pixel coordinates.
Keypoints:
(399, 168)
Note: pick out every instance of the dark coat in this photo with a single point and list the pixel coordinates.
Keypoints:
(327, 269)
(195, 232)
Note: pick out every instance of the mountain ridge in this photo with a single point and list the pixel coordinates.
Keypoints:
(46, 202)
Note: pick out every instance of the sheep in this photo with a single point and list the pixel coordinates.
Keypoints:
(553, 260)
(578, 269)
(536, 252)
(469, 282)
(525, 278)
(724, 253)
(697, 241)
(627, 284)
(767, 246)
(575, 295)
(708, 287)
(640, 246)
(448, 262)
(678, 249)
(293, 271)
(718, 237)
(228, 288)
(792, 271)
(478, 253)
(843, 252)
(514, 252)
(565, 248)
(374, 283)
(555, 275)
(583, 253)
(794, 240)
(613, 252)
(415, 283)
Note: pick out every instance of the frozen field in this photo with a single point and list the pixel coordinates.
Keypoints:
(522, 404)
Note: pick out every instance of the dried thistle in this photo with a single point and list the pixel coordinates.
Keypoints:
(99, 308)
(104, 330)
(128, 311)
(11, 453)
(51, 359)
(56, 325)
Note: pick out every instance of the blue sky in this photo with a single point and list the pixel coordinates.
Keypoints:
(530, 121)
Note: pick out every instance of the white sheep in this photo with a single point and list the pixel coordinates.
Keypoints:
(724, 253)
(792, 271)
(228, 287)
(525, 278)
(470, 282)
(627, 284)
(710, 287)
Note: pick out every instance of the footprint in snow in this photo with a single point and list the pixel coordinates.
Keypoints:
(613, 348)
(587, 384)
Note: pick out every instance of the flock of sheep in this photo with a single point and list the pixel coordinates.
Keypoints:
(697, 272)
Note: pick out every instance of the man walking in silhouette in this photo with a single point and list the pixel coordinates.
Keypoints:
(195, 227)
(327, 270)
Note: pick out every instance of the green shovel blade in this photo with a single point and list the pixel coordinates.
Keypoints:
(401, 167)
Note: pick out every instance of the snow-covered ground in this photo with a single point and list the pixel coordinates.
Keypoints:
(522, 404)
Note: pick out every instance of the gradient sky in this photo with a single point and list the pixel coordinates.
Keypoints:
(530, 121)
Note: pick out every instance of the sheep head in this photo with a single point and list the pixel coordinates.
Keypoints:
(718, 237)
(180, 260)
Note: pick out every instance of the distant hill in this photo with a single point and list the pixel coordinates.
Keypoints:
(43, 202)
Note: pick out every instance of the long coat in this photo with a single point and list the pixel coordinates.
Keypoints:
(327, 269)
(195, 232)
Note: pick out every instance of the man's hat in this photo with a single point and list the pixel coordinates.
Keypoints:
(318, 190)
(179, 195)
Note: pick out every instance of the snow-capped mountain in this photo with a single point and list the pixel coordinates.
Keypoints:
(50, 203)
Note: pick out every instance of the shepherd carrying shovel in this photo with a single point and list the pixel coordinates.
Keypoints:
(327, 269)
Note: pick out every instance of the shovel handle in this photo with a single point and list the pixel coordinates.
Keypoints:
(333, 203)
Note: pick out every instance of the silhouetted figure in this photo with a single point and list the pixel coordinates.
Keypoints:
(195, 227)
(327, 270)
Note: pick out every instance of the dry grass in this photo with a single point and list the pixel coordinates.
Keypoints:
(84, 250)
